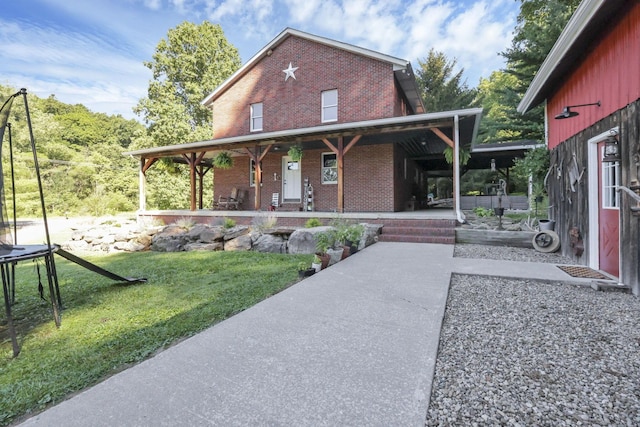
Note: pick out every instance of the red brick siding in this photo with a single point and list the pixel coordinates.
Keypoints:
(369, 187)
(366, 89)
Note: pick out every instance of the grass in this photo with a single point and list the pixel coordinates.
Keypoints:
(107, 327)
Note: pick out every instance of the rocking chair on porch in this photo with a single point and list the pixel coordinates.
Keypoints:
(223, 201)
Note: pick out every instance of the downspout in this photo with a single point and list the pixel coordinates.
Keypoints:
(456, 168)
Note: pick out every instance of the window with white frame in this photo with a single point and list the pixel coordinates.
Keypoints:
(329, 168)
(330, 105)
(252, 173)
(610, 182)
(256, 116)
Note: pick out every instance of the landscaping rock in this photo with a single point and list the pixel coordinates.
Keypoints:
(270, 243)
(197, 246)
(242, 243)
(234, 232)
(302, 241)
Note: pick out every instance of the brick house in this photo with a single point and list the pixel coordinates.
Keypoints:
(590, 86)
(368, 145)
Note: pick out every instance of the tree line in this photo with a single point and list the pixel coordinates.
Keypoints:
(80, 151)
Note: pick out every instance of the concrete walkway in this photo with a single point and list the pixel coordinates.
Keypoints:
(355, 344)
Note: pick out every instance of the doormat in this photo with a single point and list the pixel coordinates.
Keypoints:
(582, 272)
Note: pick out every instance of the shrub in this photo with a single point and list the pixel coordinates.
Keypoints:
(482, 212)
(229, 223)
(312, 222)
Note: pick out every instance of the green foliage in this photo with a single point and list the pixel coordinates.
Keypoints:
(440, 87)
(482, 212)
(223, 160)
(464, 154)
(312, 222)
(325, 241)
(187, 66)
(295, 152)
(229, 223)
(535, 163)
(80, 156)
(540, 22)
(264, 221)
(107, 327)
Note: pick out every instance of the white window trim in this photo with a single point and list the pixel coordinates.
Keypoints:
(254, 117)
(326, 107)
(322, 168)
(610, 180)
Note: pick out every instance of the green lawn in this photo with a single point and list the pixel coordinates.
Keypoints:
(107, 327)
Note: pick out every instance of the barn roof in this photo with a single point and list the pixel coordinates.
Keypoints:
(590, 20)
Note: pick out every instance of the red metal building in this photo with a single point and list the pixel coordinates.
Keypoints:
(590, 86)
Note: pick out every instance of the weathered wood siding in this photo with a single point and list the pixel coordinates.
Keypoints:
(570, 207)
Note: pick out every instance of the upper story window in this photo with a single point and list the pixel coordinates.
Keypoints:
(330, 105)
(256, 116)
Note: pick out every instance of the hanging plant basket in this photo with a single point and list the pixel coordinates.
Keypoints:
(223, 160)
(295, 153)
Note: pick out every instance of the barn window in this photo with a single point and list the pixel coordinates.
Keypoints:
(610, 181)
(256, 117)
(330, 105)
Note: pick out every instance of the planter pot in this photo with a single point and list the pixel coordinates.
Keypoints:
(335, 255)
(346, 251)
(316, 266)
(325, 259)
(498, 211)
(547, 224)
(306, 273)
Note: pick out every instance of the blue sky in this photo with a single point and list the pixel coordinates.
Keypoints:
(92, 51)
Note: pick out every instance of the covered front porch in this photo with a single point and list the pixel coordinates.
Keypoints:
(380, 166)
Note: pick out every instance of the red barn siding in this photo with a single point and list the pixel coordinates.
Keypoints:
(610, 74)
(366, 89)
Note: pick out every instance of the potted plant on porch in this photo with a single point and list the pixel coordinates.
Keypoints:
(324, 242)
(304, 270)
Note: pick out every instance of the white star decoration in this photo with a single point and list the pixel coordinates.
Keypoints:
(289, 72)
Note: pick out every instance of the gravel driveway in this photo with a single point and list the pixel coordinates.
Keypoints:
(526, 353)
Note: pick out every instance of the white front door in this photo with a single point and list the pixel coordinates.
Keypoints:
(291, 180)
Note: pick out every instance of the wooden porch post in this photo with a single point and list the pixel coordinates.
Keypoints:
(456, 158)
(193, 161)
(257, 159)
(145, 164)
(201, 171)
(340, 151)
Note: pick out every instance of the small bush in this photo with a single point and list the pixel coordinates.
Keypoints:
(229, 223)
(186, 223)
(482, 212)
(312, 222)
(264, 222)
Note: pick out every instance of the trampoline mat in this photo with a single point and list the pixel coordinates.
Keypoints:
(582, 272)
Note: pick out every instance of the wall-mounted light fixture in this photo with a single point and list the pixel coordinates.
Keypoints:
(566, 112)
(611, 149)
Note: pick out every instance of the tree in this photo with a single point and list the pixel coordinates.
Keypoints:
(440, 87)
(187, 66)
(539, 25)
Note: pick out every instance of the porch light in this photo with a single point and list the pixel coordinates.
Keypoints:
(566, 111)
(611, 150)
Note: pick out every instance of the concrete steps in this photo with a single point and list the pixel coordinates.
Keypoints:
(419, 231)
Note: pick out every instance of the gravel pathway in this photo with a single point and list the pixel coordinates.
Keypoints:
(523, 353)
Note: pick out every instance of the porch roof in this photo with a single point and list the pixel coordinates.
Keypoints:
(413, 132)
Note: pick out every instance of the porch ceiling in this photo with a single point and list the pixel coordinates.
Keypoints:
(413, 132)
